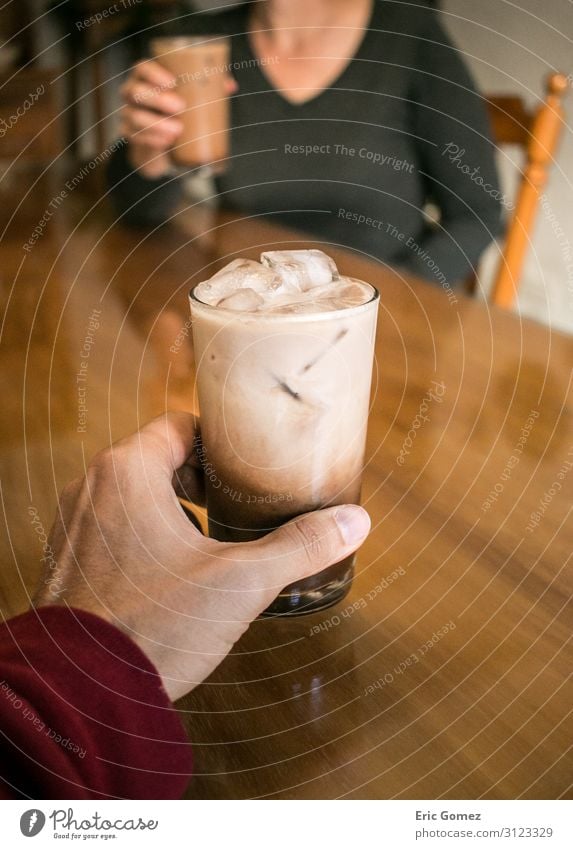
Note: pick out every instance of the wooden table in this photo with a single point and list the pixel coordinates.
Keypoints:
(447, 671)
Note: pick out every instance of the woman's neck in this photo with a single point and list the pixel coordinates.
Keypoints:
(292, 22)
(291, 13)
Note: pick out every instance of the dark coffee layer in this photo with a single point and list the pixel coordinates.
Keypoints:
(233, 520)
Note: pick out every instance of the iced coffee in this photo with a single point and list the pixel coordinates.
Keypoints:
(200, 67)
(284, 351)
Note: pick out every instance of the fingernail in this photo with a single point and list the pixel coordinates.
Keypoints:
(353, 522)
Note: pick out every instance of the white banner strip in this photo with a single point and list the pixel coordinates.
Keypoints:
(288, 824)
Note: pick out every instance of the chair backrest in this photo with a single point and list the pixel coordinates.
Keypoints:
(538, 132)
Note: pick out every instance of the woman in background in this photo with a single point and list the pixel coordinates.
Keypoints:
(348, 119)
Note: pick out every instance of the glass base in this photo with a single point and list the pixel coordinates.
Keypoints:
(316, 593)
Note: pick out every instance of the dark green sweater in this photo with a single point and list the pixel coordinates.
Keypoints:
(354, 166)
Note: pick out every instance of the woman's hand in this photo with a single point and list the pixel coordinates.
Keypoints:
(149, 117)
(125, 551)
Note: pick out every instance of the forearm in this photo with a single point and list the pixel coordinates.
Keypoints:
(451, 252)
(83, 714)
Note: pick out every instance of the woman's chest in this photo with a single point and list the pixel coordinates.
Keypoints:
(312, 59)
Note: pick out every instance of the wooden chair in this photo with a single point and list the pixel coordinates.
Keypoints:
(537, 132)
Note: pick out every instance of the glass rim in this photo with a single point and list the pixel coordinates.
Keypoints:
(286, 316)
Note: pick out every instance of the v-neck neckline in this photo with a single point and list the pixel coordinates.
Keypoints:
(290, 104)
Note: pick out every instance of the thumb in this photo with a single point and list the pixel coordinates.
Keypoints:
(310, 543)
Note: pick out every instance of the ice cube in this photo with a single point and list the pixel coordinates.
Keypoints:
(238, 274)
(244, 300)
(235, 264)
(238, 268)
(352, 293)
(301, 269)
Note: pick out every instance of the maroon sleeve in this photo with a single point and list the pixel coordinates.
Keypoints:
(83, 713)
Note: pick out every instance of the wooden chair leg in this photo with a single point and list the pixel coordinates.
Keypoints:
(544, 136)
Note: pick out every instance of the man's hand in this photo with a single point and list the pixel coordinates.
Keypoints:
(126, 552)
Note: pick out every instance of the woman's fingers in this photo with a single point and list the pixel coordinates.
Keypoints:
(151, 72)
(143, 119)
(167, 102)
(146, 128)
